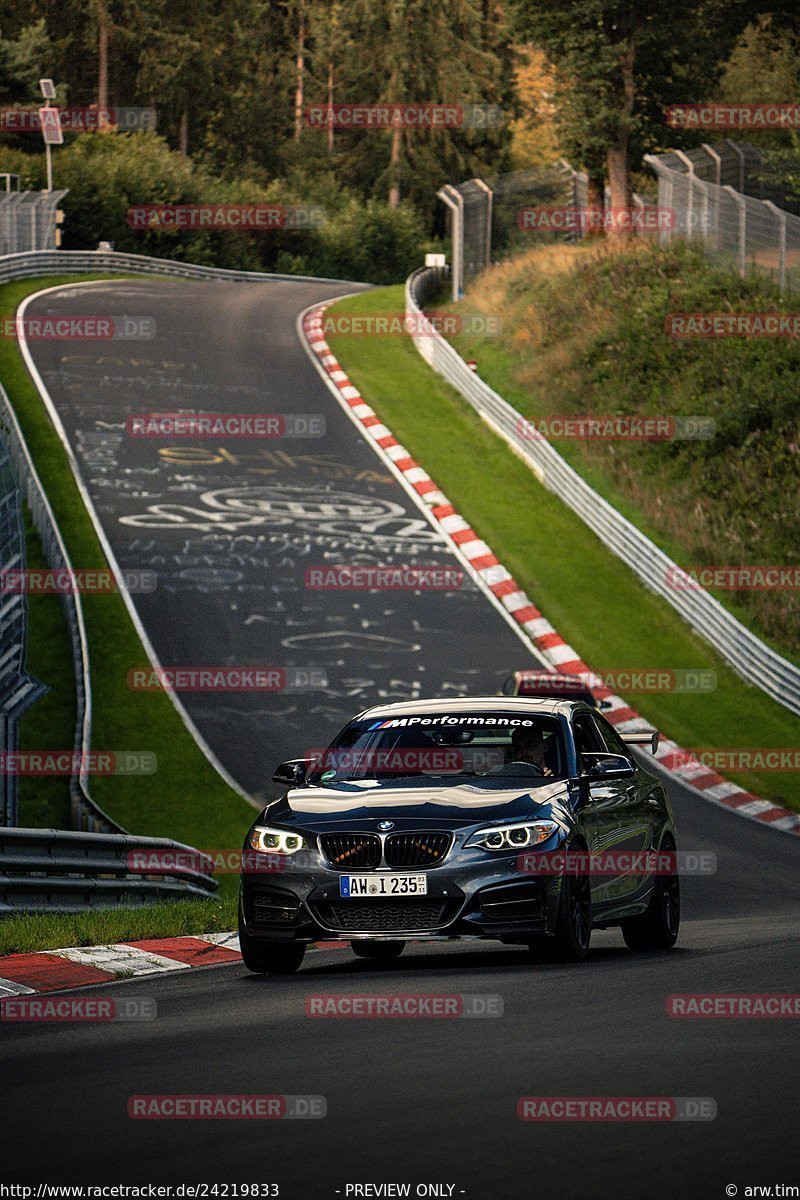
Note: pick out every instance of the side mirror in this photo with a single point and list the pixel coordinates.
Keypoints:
(291, 773)
(607, 766)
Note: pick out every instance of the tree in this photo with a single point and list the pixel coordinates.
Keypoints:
(765, 67)
(620, 63)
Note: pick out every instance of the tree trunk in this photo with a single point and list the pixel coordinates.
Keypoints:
(618, 157)
(301, 64)
(394, 163)
(102, 55)
(183, 134)
(595, 199)
(330, 107)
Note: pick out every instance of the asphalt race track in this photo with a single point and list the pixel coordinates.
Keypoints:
(231, 526)
(408, 1101)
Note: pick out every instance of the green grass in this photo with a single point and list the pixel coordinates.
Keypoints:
(44, 801)
(592, 598)
(26, 933)
(583, 333)
(185, 798)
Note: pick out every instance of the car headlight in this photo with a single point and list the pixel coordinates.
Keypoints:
(513, 837)
(276, 841)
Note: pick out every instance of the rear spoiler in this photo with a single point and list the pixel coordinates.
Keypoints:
(647, 737)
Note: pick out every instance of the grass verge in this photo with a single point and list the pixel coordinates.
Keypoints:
(583, 332)
(185, 798)
(591, 597)
(26, 933)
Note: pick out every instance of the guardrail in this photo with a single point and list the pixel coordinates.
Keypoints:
(71, 262)
(48, 870)
(751, 658)
(84, 813)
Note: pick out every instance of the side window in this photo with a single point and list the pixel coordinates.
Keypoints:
(587, 737)
(611, 739)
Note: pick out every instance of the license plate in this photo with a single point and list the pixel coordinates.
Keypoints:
(372, 887)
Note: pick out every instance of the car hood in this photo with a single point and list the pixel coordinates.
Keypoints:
(362, 805)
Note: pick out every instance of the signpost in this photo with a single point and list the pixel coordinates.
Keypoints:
(50, 121)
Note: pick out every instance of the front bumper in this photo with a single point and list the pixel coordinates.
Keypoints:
(469, 896)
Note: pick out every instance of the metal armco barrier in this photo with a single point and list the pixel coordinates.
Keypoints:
(71, 262)
(85, 814)
(45, 870)
(747, 654)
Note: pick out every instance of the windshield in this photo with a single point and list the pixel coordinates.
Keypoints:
(501, 748)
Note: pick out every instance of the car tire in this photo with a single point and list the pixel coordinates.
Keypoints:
(573, 928)
(657, 929)
(378, 951)
(270, 958)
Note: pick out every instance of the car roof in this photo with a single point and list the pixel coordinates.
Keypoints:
(546, 705)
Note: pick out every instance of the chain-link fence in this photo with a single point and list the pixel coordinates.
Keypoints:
(28, 221)
(747, 232)
(485, 216)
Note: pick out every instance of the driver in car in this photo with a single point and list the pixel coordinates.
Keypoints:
(528, 750)
(529, 746)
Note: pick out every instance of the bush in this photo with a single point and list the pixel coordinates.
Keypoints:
(109, 173)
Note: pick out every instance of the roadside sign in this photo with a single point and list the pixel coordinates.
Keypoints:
(50, 121)
(48, 89)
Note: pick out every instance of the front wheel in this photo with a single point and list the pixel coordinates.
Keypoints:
(270, 958)
(573, 929)
(657, 928)
(378, 951)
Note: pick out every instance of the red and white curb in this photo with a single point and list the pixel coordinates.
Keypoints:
(488, 571)
(87, 966)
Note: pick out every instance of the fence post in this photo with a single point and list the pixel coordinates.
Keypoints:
(487, 258)
(690, 205)
(718, 181)
(739, 154)
(781, 216)
(455, 202)
(742, 233)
